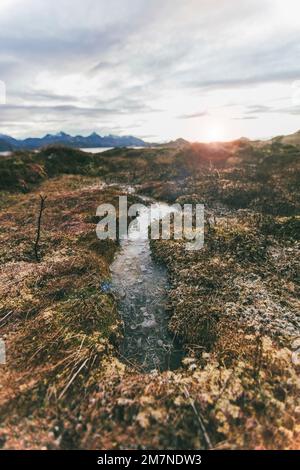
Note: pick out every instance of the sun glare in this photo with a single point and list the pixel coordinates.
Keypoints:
(214, 134)
(5, 4)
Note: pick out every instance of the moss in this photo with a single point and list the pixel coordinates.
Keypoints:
(233, 304)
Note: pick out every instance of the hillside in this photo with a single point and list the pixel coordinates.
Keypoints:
(5, 146)
(292, 139)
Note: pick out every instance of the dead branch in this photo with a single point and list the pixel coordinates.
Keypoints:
(199, 418)
(39, 221)
(72, 379)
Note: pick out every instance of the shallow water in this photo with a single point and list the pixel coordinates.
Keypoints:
(141, 286)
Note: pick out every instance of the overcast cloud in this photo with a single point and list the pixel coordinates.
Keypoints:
(198, 69)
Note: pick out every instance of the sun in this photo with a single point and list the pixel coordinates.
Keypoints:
(215, 133)
(214, 130)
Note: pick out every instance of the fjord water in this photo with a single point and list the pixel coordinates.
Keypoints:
(96, 149)
(141, 286)
(88, 150)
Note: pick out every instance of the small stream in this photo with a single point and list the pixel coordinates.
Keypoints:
(141, 285)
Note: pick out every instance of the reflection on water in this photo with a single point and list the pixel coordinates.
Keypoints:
(104, 149)
(96, 149)
(141, 286)
(88, 150)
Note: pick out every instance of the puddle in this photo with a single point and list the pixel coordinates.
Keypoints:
(141, 286)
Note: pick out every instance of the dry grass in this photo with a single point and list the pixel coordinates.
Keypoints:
(234, 304)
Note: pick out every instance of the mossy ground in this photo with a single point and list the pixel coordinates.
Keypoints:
(234, 303)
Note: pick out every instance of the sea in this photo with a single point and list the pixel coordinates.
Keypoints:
(89, 150)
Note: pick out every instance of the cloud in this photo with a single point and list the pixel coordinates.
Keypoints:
(241, 82)
(78, 65)
(258, 109)
(193, 115)
(261, 109)
(245, 118)
(291, 110)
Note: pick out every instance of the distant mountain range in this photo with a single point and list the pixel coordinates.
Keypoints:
(8, 143)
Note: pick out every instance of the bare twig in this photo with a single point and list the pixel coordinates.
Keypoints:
(199, 418)
(258, 358)
(72, 379)
(39, 221)
(5, 317)
(224, 388)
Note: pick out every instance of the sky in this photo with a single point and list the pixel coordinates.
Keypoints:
(203, 70)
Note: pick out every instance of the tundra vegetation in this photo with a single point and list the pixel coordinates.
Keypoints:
(234, 305)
